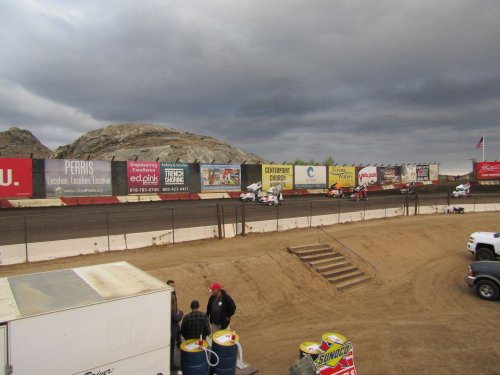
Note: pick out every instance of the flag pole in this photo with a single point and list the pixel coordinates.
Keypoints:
(484, 146)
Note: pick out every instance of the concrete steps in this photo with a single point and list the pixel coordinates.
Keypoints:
(331, 264)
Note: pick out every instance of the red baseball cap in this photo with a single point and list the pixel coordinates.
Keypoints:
(215, 286)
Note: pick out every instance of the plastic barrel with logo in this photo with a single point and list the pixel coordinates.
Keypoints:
(194, 358)
(329, 338)
(311, 348)
(224, 345)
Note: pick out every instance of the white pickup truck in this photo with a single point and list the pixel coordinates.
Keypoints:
(484, 245)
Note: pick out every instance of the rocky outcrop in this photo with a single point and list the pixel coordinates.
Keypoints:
(17, 143)
(150, 143)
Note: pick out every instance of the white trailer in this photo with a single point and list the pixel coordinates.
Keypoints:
(110, 319)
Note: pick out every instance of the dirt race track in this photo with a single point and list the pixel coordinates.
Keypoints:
(416, 317)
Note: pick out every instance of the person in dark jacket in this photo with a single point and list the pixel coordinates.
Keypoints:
(195, 324)
(220, 308)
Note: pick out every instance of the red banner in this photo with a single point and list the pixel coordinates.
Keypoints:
(16, 179)
(488, 170)
(143, 177)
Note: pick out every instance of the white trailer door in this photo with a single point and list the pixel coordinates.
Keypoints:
(71, 341)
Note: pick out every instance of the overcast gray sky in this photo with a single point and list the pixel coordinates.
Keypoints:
(362, 81)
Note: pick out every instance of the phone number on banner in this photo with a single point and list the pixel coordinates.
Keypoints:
(144, 190)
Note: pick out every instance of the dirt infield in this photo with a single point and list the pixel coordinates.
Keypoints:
(416, 317)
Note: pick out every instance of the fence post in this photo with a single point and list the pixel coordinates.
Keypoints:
(277, 218)
(107, 231)
(219, 224)
(338, 221)
(26, 237)
(173, 226)
(310, 214)
(448, 198)
(243, 220)
(416, 203)
(223, 222)
(385, 207)
(407, 205)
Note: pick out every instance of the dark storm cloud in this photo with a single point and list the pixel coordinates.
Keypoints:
(357, 80)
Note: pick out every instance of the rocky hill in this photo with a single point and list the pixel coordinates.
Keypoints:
(17, 143)
(149, 143)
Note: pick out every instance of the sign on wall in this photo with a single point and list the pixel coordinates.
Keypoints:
(408, 173)
(488, 170)
(310, 177)
(174, 177)
(367, 175)
(273, 175)
(343, 176)
(434, 172)
(422, 172)
(221, 177)
(16, 178)
(143, 177)
(389, 175)
(76, 178)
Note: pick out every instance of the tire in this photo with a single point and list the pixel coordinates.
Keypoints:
(487, 290)
(484, 254)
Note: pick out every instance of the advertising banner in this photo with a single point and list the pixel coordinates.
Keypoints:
(488, 170)
(310, 177)
(174, 177)
(422, 172)
(16, 179)
(367, 175)
(408, 173)
(389, 175)
(77, 178)
(273, 175)
(338, 359)
(434, 172)
(343, 176)
(222, 177)
(143, 177)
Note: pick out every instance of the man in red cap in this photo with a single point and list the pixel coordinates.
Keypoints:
(220, 308)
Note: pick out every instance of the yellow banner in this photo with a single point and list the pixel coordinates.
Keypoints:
(343, 176)
(273, 175)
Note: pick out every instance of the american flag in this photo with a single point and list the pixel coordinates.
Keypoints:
(480, 143)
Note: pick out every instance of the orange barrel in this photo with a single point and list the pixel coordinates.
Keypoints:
(194, 358)
(224, 345)
(311, 348)
(330, 338)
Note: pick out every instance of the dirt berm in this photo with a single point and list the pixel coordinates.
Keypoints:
(416, 317)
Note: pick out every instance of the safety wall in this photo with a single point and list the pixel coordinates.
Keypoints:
(39, 251)
(56, 178)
